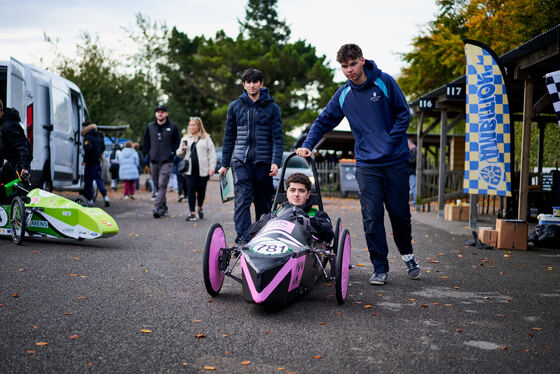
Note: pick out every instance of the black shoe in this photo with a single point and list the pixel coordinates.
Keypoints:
(181, 197)
(107, 203)
(200, 214)
(191, 217)
(413, 268)
(157, 214)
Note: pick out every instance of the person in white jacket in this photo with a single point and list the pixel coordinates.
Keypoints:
(197, 147)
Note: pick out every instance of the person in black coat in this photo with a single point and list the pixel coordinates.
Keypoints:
(93, 153)
(14, 146)
(298, 191)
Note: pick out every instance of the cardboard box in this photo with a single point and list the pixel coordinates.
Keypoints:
(512, 234)
(488, 236)
(456, 212)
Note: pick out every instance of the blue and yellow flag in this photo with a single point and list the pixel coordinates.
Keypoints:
(488, 134)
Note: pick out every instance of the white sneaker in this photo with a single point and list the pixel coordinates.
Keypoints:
(126, 197)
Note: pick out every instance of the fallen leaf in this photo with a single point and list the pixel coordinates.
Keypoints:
(432, 262)
(317, 357)
(35, 327)
(246, 362)
(368, 306)
(442, 254)
(435, 303)
(41, 344)
(209, 368)
(185, 364)
(200, 336)
(15, 295)
(24, 269)
(536, 328)
(146, 331)
(359, 264)
(424, 305)
(500, 315)
(379, 294)
(459, 330)
(67, 314)
(486, 297)
(507, 256)
(280, 369)
(30, 352)
(228, 352)
(36, 251)
(210, 301)
(444, 277)
(82, 297)
(267, 332)
(73, 275)
(197, 320)
(75, 258)
(357, 302)
(502, 348)
(456, 287)
(373, 314)
(75, 336)
(90, 364)
(412, 299)
(322, 323)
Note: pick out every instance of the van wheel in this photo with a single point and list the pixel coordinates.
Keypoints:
(46, 185)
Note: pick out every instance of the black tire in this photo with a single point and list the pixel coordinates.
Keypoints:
(213, 276)
(342, 266)
(80, 200)
(17, 220)
(337, 230)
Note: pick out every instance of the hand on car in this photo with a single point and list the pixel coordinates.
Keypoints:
(303, 152)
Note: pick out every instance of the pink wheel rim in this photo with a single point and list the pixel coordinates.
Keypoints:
(346, 256)
(218, 242)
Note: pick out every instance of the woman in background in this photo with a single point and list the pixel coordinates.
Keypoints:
(198, 148)
(128, 169)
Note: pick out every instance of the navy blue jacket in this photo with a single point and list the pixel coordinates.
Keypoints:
(378, 115)
(253, 131)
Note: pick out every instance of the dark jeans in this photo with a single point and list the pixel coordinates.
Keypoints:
(181, 184)
(93, 173)
(196, 189)
(385, 185)
(251, 184)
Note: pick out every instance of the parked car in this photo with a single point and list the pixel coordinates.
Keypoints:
(52, 110)
(296, 165)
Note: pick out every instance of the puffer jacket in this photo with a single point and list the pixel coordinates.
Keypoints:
(128, 164)
(253, 131)
(93, 145)
(205, 151)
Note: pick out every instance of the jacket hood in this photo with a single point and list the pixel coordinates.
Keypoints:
(127, 152)
(10, 114)
(88, 128)
(372, 72)
(264, 97)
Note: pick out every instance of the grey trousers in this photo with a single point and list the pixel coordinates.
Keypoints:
(160, 176)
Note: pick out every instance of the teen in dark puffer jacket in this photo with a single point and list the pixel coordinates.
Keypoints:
(93, 152)
(253, 145)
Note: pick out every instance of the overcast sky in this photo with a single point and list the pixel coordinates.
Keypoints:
(381, 28)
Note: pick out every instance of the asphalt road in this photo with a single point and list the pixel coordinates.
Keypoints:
(69, 306)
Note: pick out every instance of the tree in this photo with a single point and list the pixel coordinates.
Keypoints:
(202, 75)
(438, 53)
(262, 23)
(112, 97)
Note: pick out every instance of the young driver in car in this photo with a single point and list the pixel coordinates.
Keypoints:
(298, 192)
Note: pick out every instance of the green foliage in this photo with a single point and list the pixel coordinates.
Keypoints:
(438, 55)
(112, 97)
(202, 75)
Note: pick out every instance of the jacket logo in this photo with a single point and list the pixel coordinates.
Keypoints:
(374, 97)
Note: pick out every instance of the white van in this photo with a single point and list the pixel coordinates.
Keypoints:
(52, 110)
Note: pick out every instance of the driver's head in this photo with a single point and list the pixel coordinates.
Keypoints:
(298, 189)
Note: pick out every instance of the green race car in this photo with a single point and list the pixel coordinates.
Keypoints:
(38, 213)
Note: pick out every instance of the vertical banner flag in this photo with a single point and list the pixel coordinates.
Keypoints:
(553, 84)
(487, 134)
